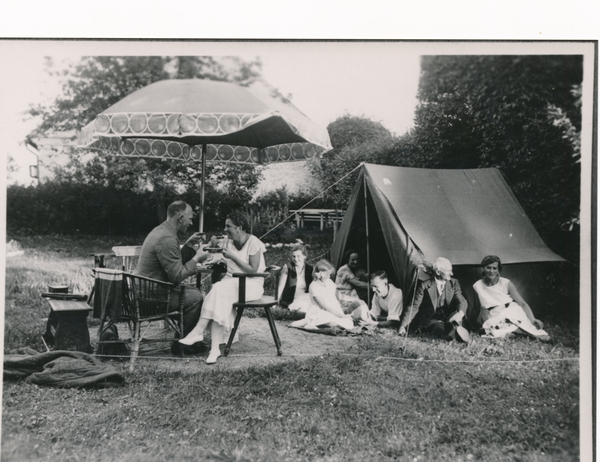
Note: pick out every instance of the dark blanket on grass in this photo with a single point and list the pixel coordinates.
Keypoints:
(64, 369)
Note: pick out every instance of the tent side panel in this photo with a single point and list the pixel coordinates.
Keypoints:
(462, 215)
(491, 215)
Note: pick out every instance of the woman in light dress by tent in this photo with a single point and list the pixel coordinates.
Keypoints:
(504, 310)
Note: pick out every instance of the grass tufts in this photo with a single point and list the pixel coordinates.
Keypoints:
(404, 399)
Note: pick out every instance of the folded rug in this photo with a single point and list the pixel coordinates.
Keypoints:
(64, 369)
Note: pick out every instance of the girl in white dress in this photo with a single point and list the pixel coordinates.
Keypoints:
(325, 309)
(244, 253)
(504, 309)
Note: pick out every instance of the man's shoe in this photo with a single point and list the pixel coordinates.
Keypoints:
(439, 331)
(449, 331)
(462, 334)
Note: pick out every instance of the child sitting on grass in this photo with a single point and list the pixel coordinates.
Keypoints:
(324, 309)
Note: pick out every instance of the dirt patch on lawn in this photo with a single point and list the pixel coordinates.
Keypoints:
(254, 348)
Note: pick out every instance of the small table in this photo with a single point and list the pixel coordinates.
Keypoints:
(71, 331)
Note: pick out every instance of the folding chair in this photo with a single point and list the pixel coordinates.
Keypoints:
(129, 255)
(266, 302)
(143, 301)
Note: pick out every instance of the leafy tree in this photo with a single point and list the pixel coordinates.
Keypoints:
(354, 140)
(351, 130)
(11, 166)
(521, 114)
(62, 207)
(96, 83)
(270, 208)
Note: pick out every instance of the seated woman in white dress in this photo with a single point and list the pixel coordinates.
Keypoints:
(325, 309)
(505, 311)
(295, 279)
(244, 253)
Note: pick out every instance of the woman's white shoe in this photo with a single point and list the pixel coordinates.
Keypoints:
(213, 356)
(191, 338)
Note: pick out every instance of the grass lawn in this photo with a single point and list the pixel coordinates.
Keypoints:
(414, 399)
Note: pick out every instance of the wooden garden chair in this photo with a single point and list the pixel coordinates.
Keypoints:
(129, 255)
(266, 302)
(144, 300)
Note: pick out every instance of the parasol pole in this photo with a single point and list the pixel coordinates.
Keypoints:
(202, 188)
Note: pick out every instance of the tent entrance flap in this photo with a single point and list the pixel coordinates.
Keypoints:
(381, 250)
(374, 252)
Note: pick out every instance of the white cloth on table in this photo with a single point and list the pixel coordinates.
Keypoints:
(218, 304)
(317, 316)
(506, 315)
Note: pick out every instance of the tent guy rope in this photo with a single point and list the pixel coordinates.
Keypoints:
(378, 358)
(312, 200)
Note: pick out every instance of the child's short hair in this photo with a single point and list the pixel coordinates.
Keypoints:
(379, 274)
(322, 265)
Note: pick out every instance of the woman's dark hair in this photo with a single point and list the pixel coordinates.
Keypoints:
(348, 253)
(491, 259)
(239, 220)
(300, 247)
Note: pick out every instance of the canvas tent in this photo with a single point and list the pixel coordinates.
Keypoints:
(398, 217)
